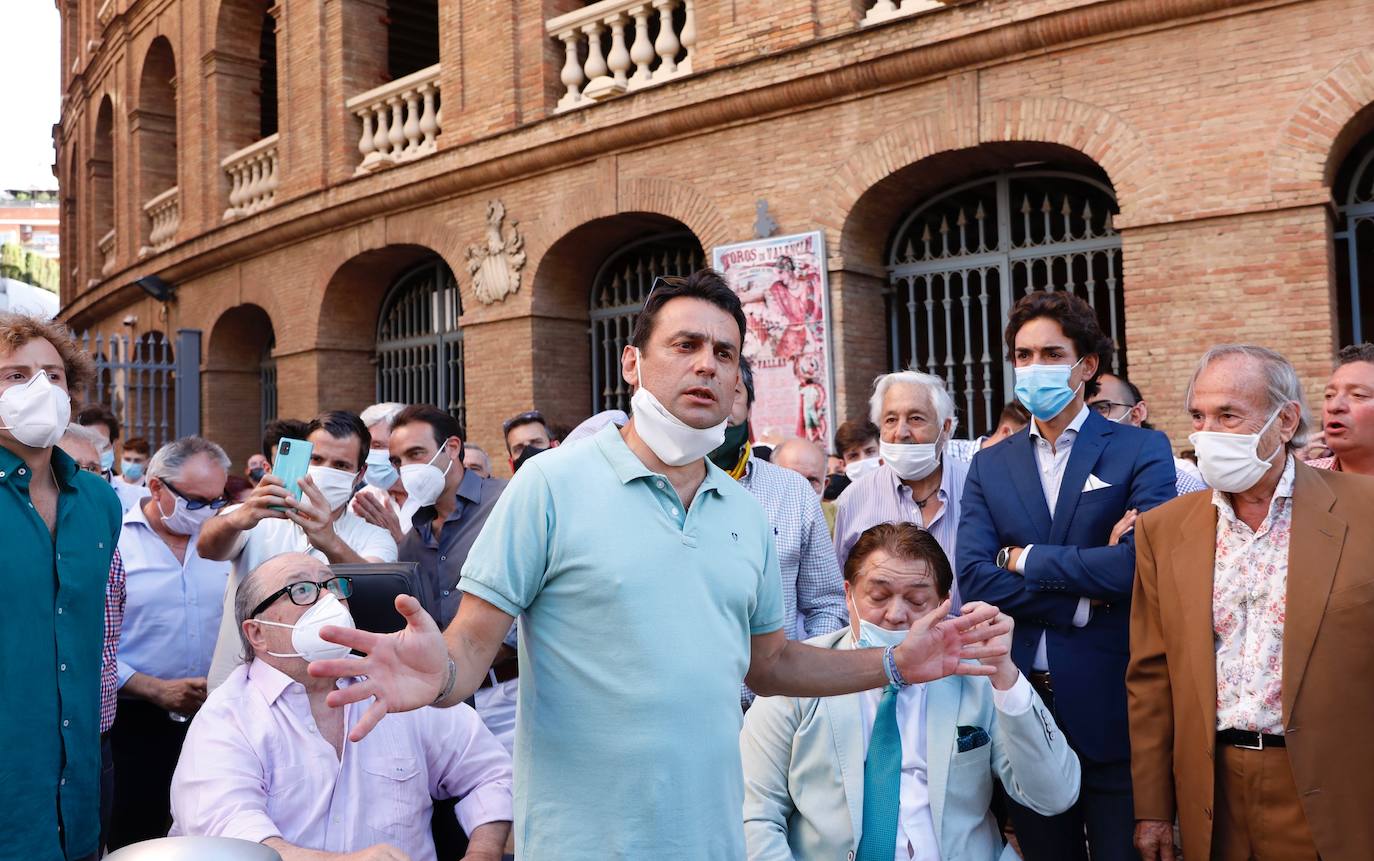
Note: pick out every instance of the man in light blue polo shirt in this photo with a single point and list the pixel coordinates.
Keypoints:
(649, 589)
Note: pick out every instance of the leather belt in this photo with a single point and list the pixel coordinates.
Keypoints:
(501, 671)
(1249, 740)
(1040, 680)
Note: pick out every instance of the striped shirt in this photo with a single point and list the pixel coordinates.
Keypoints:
(812, 586)
(881, 497)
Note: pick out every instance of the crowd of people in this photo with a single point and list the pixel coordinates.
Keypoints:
(665, 638)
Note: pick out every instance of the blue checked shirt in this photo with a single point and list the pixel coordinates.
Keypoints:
(812, 585)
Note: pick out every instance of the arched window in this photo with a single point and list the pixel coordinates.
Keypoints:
(100, 172)
(618, 292)
(961, 260)
(1354, 190)
(419, 343)
(267, 382)
(155, 127)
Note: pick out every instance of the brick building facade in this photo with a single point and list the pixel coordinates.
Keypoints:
(314, 178)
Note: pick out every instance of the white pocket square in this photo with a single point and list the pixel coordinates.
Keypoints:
(1094, 483)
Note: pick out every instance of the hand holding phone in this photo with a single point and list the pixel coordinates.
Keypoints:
(291, 464)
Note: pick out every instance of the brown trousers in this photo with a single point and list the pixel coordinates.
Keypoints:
(1258, 814)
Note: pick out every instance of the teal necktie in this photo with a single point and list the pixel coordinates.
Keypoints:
(882, 783)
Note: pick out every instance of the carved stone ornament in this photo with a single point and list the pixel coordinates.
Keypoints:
(495, 266)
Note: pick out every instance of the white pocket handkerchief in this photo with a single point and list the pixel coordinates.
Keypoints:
(1094, 483)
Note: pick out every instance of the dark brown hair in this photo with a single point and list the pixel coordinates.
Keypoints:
(1074, 316)
(16, 330)
(904, 541)
(99, 415)
(441, 424)
(138, 445)
(1014, 413)
(705, 284)
(342, 425)
(853, 434)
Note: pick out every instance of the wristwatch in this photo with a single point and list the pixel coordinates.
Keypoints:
(1004, 557)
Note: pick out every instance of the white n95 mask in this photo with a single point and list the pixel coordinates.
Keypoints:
(672, 440)
(305, 634)
(36, 413)
(423, 482)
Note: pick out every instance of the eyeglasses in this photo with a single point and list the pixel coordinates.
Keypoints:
(523, 419)
(196, 504)
(307, 592)
(1104, 408)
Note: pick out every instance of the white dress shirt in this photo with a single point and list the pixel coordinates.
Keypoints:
(173, 607)
(916, 839)
(255, 766)
(129, 494)
(1052, 461)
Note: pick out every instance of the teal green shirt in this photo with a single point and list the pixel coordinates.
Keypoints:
(52, 625)
(633, 644)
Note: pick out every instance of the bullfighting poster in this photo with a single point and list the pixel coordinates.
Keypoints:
(782, 283)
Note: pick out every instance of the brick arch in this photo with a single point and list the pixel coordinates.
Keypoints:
(352, 293)
(1097, 133)
(1308, 142)
(679, 201)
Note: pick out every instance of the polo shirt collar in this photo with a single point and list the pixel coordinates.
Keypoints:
(62, 466)
(628, 467)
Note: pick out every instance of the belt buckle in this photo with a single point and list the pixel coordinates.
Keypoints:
(1260, 746)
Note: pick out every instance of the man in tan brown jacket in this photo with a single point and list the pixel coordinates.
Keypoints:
(1250, 680)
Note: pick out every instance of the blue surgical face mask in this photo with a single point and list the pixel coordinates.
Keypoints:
(107, 460)
(872, 636)
(380, 473)
(131, 471)
(1044, 389)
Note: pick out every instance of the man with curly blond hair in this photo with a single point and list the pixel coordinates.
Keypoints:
(61, 529)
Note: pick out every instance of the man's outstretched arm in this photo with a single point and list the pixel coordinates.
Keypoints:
(408, 669)
(935, 647)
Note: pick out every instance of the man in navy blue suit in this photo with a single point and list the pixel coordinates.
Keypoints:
(1036, 539)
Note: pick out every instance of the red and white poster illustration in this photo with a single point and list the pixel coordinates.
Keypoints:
(782, 283)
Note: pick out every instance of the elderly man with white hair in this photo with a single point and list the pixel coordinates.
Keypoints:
(916, 483)
(267, 760)
(170, 619)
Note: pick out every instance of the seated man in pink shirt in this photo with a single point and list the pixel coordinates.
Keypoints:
(266, 760)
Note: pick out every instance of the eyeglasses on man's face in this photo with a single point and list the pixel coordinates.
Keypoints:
(303, 593)
(194, 503)
(1105, 408)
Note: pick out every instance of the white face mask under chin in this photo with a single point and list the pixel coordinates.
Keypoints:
(672, 440)
(1230, 462)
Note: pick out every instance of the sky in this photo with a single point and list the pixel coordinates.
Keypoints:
(32, 57)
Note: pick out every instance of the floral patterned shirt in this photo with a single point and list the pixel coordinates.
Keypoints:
(1249, 606)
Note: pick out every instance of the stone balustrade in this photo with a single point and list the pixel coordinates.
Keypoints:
(164, 214)
(105, 13)
(886, 10)
(107, 252)
(252, 178)
(611, 47)
(400, 120)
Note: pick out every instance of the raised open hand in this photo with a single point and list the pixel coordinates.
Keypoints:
(404, 670)
(937, 646)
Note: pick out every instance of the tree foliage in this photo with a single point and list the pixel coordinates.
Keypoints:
(28, 267)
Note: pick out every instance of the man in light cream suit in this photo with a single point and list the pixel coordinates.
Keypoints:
(899, 773)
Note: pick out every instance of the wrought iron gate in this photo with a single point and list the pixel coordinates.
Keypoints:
(140, 381)
(618, 293)
(1354, 237)
(960, 261)
(419, 342)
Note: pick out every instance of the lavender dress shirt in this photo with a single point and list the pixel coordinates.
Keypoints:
(255, 766)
